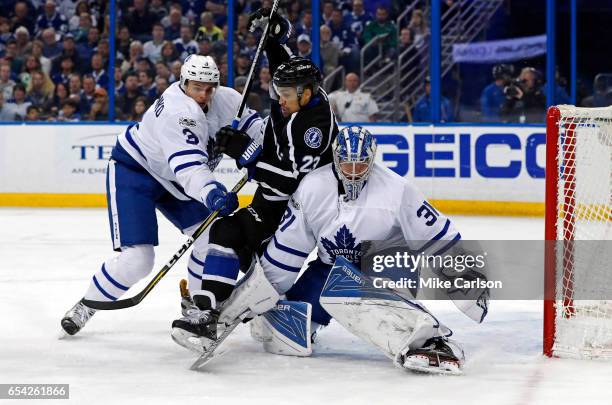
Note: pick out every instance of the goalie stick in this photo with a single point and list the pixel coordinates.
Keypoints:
(135, 300)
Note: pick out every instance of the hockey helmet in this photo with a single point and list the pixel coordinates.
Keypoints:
(353, 149)
(298, 72)
(200, 69)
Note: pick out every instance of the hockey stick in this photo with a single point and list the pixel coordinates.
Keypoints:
(135, 300)
(249, 82)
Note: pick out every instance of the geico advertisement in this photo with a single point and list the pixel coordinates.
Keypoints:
(459, 163)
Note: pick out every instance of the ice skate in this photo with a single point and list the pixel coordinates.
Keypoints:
(76, 318)
(437, 356)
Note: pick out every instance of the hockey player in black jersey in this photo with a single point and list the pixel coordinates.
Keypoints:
(297, 140)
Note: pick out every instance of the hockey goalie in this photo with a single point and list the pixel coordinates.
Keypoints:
(335, 209)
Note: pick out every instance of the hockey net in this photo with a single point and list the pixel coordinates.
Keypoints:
(578, 296)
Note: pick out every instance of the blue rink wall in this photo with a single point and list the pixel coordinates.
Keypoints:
(462, 169)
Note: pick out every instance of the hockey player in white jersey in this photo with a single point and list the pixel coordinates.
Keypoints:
(336, 208)
(165, 162)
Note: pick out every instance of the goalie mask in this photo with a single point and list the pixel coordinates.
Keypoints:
(354, 149)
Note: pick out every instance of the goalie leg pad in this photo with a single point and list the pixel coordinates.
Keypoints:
(378, 316)
(285, 329)
(254, 294)
(308, 289)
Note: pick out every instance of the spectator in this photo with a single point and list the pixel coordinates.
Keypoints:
(385, 28)
(205, 47)
(118, 82)
(138, 110)
(219, 11)
(22, 39)
(601, 95)
(60, 95)
(98, 72)
(168, 52)
(253, 100)
(87, 96)
(127, 100)
(419, 28)
(525, 100)
(152, 49)
(209, 29)
(358, 18)
(6, 83)
(83, 27)
(343, 37)
(140, 20)
(31, 65)
(6, 113)
(242, 28)
(99, 107)
(145, 81)
(158, 8)
(422, 108)
(74, 86)
(10, 56)
(68, 112)
(304, 46)
(351, 104)
(19, 104)
(250, 45)
(161, 84)
(50, 18)
(81, 7)
(40, 91)
(329, 51)
(135, 54)
(304, 25)
(192, 9)
(175, 69)
(103, 49)
(173, 22)
(51, 48)
(185, 45)
(243, 64)
(262, 88)
(492, 97)
(328, 9)
(36, 50)
(22, 17)
(32, 113)
(161, 70)
(68, 50)
(123, 43)
(86, 50)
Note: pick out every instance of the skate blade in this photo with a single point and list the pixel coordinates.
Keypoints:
(206, 358)
(189, 341)
(420, 367)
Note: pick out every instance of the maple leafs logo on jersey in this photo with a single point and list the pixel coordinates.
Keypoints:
(344, 246)
(213, 160)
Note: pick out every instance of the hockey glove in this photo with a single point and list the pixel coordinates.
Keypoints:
(215, 197)
(280, 28)
(237, 145)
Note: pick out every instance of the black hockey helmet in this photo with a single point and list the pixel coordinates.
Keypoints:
(298, 72)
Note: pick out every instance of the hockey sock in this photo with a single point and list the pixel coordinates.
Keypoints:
(118, 274)
(221, 268)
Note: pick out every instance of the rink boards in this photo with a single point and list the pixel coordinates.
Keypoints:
(494, 170)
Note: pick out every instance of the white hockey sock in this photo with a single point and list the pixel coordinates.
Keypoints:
(118, 274)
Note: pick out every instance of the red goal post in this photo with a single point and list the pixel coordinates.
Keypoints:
(578, 209)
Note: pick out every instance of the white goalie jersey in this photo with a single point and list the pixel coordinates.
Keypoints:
(174, 141)
(389, 208)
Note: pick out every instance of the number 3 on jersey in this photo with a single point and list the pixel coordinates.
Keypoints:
(309, 163)
(192, 138)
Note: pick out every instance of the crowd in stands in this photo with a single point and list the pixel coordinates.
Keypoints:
(54, 55)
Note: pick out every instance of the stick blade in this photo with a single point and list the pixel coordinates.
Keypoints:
(112, 305)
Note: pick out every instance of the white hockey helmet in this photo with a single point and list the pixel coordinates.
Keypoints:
(200, 69)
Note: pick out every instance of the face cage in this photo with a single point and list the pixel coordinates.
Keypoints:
(353, 186)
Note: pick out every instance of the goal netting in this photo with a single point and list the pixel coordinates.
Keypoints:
(578, 301)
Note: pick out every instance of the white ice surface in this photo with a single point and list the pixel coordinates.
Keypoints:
(127, 357)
